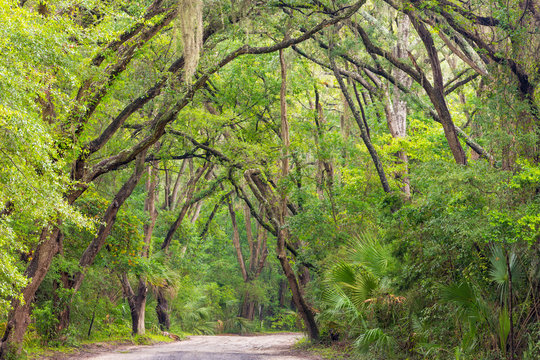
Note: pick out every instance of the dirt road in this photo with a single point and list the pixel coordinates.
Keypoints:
(263, 347)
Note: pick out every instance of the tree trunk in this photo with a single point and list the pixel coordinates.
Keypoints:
(150, 206)
(280, 215)
(167, 189)
(137, 303)
(474, 128)
(363, 131)
(162, 310)
(89, 255)
(436, 93)
(277, 211)
(187, 203)
(108, 221)
(248, 307)
(396, 107)
(257, 258)
(236, 243)
(213, 214)
(62, 307)
(174, 194)
(19, 316)
(306, 312)
(325, 169)
(196, 212)
(162, 307)
(303, 275)
(50, 239)
(249, 235)
(344, 119)
(282, 293)
(274, 209)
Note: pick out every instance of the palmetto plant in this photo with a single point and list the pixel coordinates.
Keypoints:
(473, 313)
(193, 315)
(476, 311)
(499, 271)
(367, 251)
(355, 285)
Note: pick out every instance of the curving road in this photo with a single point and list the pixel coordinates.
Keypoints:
(262, 347)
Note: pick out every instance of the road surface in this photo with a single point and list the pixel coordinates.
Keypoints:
(262, 347)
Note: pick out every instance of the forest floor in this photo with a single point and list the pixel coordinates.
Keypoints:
(224, 347)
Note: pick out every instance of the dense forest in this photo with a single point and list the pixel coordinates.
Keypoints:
(364, 171)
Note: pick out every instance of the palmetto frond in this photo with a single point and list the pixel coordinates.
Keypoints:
(356, 283)
(499, 270)
(370, 253)
(374, 337)
(471, 307)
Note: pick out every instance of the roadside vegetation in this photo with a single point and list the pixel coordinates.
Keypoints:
(366, 172)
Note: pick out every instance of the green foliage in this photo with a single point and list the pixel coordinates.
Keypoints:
(45, 321)
(285, 320)
(405, 277)
(374, 337)
(500, 274)
(36, 65)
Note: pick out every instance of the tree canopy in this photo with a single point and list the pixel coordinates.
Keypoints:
(360, 170)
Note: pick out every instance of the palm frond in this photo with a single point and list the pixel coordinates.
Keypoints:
(463, 295)
(369, 252)
(343, 273)
(364, 289)
(355, 283)
(472, 308)
(499, 270)
(374, 337)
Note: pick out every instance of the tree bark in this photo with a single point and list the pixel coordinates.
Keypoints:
(236, 243)
(248, 307)
(196, 212)
(249, 235)
(363, 131)
(108, 220)
(190, 199)
(89, 255)
(213, 214)
(437, 93)
(174, 194)
(150, 206)
(325, 169)
(162, 310)
(136, 302)
(274, 208)
(282, 293)
(167, 189)
(47, 248)
(62, 306)
(190, 189)
(257, 258)
(419, 78)
(19, 316)
(395, 106)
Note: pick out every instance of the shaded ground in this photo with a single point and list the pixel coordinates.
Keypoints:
(229, 347)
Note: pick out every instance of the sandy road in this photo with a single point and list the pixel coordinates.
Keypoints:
(263, 347)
